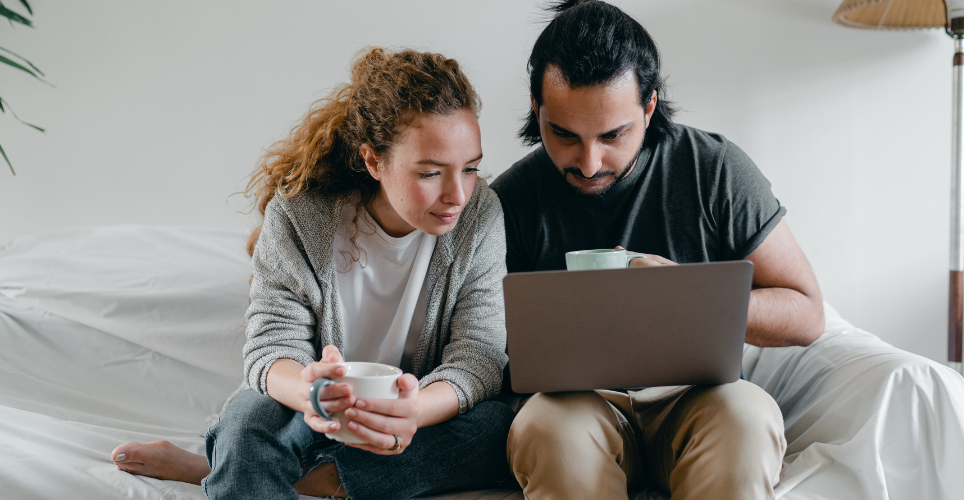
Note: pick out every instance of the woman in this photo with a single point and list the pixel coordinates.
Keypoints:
(371, 201)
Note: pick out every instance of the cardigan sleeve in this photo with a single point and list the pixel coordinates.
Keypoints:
(474, 357)
(280, 322)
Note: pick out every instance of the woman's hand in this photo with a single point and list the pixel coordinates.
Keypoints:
(378, 421)
(335, 397)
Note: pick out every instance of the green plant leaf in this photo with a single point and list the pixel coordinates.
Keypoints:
(14, 17)
(4, 154)
(15, 64)
(24, 59)
(31, 125)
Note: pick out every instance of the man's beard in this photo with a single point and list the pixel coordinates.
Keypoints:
(575, 172)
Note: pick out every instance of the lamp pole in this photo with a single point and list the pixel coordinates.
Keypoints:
(955, 320)
(917, 14)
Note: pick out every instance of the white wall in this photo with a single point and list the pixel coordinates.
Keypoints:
(162, 108)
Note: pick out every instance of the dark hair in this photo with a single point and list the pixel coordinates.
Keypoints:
(592, 43)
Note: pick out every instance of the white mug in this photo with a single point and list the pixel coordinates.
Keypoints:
(368, 380)
(604, 258)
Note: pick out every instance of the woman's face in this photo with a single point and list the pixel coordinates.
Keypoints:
(429, 175)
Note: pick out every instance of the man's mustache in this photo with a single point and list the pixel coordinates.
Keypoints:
(575, 172)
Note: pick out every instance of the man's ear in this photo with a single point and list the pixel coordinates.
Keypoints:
(650, 108)
(372, 162)
(535, 106)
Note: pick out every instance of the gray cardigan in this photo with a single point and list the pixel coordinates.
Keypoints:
(294, 295)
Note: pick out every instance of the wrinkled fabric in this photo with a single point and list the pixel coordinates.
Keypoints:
(465, 452)
(117, 334)
(177, 291)
(863, 419)
(134, 333)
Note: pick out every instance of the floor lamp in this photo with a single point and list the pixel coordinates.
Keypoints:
(918, 14)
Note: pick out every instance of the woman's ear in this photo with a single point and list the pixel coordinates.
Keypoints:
(371, 161)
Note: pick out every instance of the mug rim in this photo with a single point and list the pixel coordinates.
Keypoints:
(596, 251)
(395, 371)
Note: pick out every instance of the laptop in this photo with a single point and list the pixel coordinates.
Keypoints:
(627, 328)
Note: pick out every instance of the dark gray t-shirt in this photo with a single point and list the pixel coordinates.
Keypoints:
(693, 197)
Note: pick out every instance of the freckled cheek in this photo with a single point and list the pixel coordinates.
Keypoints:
(419, 200)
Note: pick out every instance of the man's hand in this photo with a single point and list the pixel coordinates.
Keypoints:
(335, 397)
(649, 260)
(378, 421)
(786, 308)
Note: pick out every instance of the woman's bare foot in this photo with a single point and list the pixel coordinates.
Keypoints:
(161, 460)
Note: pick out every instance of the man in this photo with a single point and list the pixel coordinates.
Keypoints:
(613, 170)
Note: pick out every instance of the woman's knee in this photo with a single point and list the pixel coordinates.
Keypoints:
(497, 417)
(486, 425)
(251, 411)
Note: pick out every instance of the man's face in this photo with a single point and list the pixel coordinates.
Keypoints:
(592, 134)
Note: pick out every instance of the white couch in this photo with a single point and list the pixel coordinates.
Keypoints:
(134, 333)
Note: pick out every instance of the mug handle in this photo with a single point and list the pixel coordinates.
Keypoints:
(631, 256)
(313, 393)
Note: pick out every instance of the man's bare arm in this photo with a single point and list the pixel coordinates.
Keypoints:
(786, 308)
(785, 305)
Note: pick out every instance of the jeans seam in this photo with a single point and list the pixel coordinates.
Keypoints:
(211, 460)
(341, 479)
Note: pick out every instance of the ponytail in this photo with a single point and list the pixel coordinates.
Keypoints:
(568, 4)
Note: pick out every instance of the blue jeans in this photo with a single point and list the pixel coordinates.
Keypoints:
(259, 448)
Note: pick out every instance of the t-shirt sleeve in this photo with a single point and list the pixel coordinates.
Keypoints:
(745, 209)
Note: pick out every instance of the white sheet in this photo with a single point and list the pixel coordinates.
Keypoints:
(179, 291)
(109, 337)
(864, 420)
(116, 334)
(132, 333)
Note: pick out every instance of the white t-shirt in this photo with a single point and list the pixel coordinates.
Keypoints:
(378, 293)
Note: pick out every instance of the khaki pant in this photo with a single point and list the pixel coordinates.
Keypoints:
(721, 442)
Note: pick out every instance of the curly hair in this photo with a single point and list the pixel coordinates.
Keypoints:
(386, 92)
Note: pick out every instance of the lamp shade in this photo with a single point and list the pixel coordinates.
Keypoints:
(891, 14)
